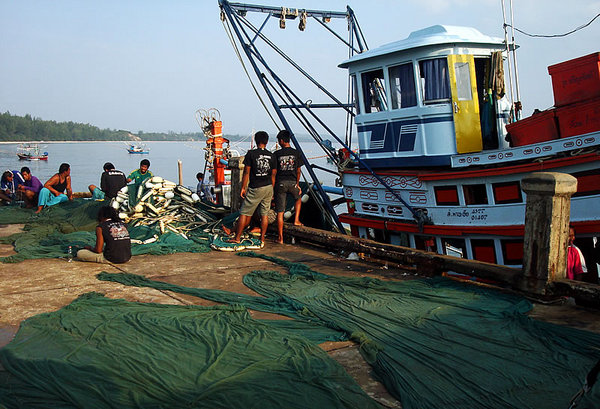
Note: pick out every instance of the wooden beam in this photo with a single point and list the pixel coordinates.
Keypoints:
(427, 262)
(586, 294)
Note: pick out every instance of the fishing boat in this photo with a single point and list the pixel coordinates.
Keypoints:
(138, 148)
(442, 147)
(31, 152)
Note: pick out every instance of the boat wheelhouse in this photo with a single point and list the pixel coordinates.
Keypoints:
(431, 120)
(428, 97)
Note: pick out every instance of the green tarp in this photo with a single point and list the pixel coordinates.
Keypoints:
(434, 343)
(104, 353)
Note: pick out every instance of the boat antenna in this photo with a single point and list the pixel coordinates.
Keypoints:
(515, 106)
(518, 104)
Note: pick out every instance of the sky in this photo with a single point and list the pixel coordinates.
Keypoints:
(148, 65)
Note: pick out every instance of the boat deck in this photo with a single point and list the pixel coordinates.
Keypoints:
(44, 285)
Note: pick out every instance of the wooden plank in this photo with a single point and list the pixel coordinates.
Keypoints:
(427, 262)
(586, 294)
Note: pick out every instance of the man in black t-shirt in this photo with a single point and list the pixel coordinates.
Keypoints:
(257, 186)
(286, 179)
(111, 182)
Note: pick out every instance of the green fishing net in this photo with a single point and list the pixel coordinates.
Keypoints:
(99, 353)
(50, 233)
(434, 343)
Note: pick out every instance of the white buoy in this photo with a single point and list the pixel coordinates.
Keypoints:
(169, 195)
(187, 198)
(287, 215)
(195, 197)
(140, 191)
(304, 198)
(125, 189)
(146, 195)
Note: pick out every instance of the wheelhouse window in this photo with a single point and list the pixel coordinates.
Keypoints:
(484, 250)
(426, 243)
(435, 80)
(475, 194)
(446, 195)
(373, 88)
(402, 86)
(512, 251)
(507, 192)
(463, 81)
(455, 247)
(588, 183)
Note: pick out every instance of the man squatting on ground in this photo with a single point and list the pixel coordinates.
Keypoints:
(286, 179)
(111, 182)
(30, 189)
(257, 186)
(53, 191)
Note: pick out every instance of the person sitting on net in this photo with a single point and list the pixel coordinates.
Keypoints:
(53, 191)
(113, 244)
(111, 181)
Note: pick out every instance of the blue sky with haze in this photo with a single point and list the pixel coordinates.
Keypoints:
(149, 65)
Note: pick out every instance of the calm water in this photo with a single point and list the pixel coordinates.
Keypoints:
(87, 158)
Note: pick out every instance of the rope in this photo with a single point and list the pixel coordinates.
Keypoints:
(556, 35)
(237, 52)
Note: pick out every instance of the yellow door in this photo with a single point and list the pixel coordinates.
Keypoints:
(465, 103)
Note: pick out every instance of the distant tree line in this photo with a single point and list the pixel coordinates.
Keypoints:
(27, 128)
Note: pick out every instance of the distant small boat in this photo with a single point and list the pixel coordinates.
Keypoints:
(138, 148)
(31, 152)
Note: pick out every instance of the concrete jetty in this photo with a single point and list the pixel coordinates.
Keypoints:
(45, 285)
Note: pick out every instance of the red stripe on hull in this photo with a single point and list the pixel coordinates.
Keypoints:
(588, 227)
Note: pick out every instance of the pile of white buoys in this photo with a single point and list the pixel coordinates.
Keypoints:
(165, 204)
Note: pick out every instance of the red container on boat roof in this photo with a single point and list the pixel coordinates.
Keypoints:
(540, 127)
(576, 80)
(580, 118)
